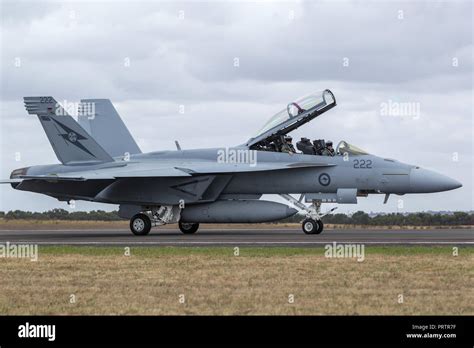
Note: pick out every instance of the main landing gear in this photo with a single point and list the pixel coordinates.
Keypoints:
(313, 223)
(140, 224)
(188, 228)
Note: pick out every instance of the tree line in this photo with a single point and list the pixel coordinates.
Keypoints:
(398, 219)
(358, 218)
(61, 214)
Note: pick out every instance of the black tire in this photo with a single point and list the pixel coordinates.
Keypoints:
(140, 224)
(311, 226)
(188, 228)
(320, 227)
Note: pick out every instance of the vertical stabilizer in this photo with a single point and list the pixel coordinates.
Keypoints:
(69, 140)
(106, 127)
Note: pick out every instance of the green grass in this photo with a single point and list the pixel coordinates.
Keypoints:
(244, 251)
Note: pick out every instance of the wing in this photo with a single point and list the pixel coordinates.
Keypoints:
(163, 170)
(230, 168)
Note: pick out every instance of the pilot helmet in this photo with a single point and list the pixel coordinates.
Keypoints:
(329, 143)
(288, 138)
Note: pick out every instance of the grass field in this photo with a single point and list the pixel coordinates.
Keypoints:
(174, 280)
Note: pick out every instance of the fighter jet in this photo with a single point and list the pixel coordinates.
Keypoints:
(100, 162)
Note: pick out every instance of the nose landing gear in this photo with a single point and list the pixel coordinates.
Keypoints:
(311, 226)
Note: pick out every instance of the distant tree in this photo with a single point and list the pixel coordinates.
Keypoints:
(360, 218)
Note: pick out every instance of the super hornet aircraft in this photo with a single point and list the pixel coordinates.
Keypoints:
(102, 163)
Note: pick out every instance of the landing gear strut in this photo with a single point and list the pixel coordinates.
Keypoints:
(313, 223)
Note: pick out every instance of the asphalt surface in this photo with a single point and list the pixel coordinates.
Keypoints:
(234, 237)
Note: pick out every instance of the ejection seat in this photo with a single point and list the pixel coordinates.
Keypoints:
(319, 146)
(305, 146)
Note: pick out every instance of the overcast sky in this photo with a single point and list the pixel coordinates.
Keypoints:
(151, 57)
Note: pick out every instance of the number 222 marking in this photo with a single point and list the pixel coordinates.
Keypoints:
(362, 164)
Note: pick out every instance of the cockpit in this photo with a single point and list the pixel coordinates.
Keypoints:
(321, 147)
(273, 136)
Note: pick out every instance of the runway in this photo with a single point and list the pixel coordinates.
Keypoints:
(239, 237)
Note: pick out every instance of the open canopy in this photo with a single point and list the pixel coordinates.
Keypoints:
(294, 115)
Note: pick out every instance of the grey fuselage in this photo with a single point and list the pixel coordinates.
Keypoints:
(365, 174)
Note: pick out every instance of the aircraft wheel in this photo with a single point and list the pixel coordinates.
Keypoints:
(320, 227)
(188, 228)
(140, 224)
(311, 226)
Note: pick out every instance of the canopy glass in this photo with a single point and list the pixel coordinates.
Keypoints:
(311, 102)
(344, 147)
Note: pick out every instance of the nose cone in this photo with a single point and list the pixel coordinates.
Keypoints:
(425, 181)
